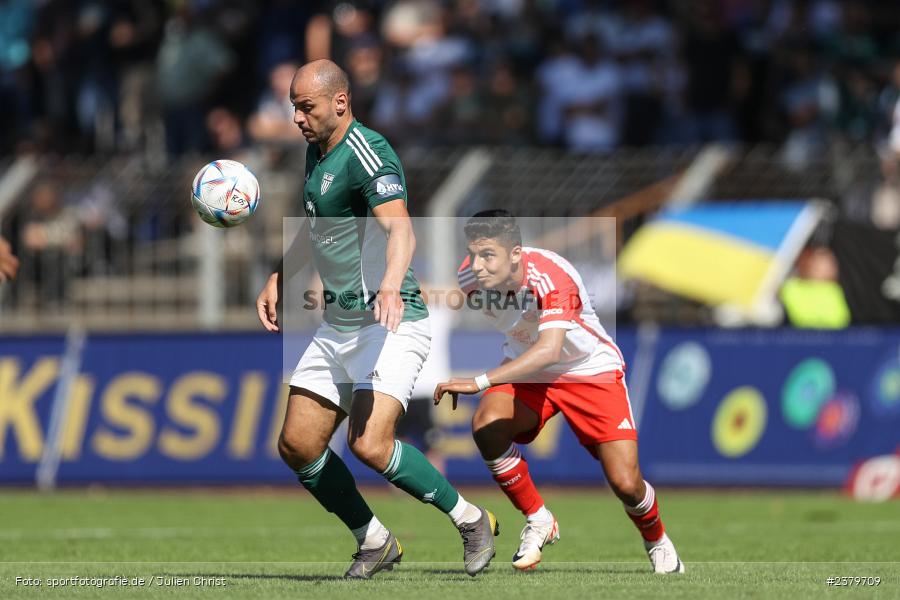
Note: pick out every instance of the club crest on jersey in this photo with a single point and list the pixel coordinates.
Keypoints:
(327, 178)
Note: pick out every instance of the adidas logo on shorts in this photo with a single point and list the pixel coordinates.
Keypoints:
(625, 424)
(374, 376)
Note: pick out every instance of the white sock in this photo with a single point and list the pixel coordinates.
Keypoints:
(464, 512)
(371, 535)
(541, 515)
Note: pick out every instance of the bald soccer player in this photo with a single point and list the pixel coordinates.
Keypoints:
(365, 357)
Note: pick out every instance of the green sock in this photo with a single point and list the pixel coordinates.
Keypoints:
(329, 480)
(410, 471)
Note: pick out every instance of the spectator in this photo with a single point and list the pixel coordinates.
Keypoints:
(595, 19)
(812, 297)
(713, 56)
(592, 100)
(853, 42)
(461, 114)
(886, 200)
(554, 75)
(50, 241)
(645, 46)
(273, 120)
(227, 134)
(16, 25)
(803, 20)
(192, 62)
(336, 27)
(506, 108)
(134, 37)
(857, 114)
(95, 94)
(103, 227)
(809, 101)
(398, 111)
(364, 66)
(428, 56)
(118, 73)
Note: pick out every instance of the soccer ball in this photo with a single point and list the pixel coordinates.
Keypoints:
(225, 193)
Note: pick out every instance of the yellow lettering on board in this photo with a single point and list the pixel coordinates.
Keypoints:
(246, 417)
(199, 418)
(76, 417)
(132, 417)
(17, 399)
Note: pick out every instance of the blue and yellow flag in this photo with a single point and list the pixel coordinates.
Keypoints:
(723, 253)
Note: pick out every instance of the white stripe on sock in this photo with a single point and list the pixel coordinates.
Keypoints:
(506, 461)
(645, 505)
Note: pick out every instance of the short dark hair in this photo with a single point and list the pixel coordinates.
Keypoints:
(496, 224)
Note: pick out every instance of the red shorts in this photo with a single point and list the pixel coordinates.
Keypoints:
(597, 412)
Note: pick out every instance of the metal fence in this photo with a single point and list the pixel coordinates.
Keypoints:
(113, 244)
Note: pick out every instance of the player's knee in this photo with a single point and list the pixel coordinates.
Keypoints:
(373, 452)
(491, 432)
(627, 484)
(485, 420)
(297, 451)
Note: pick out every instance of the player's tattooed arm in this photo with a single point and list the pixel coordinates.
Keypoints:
(394, 220)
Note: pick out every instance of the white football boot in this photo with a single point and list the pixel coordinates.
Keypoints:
(534, 537)
(663, 556)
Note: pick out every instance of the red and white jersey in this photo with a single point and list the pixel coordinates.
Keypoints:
(552, 295)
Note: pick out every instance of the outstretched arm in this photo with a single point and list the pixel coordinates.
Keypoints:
(544, 353)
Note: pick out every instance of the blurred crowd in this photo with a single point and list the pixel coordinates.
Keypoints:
(165, 78)
(587, 75)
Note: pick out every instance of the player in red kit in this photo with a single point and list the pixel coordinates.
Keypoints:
(558, 358)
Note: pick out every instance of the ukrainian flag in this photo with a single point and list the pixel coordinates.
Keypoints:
(723, 253)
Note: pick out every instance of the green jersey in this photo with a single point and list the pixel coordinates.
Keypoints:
(342, 187)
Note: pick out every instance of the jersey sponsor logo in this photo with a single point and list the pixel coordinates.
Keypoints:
(320, 239)
(327, 178)
(388, 185)
(551, 311)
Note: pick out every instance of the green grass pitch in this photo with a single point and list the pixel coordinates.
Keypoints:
(281, 544)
